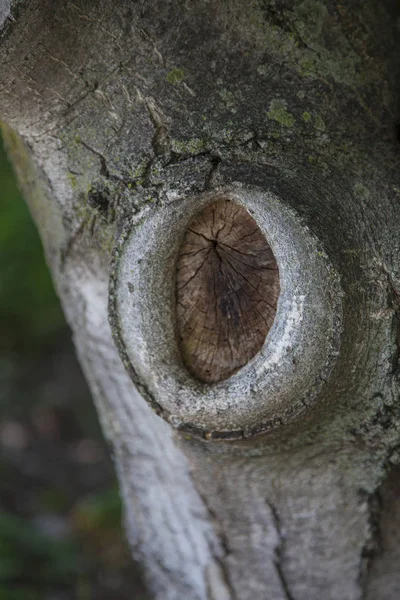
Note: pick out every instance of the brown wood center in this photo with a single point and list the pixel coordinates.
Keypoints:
(227, 289)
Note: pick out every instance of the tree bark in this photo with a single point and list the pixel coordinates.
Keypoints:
(119, 116)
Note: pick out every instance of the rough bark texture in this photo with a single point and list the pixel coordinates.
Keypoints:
(112, 109)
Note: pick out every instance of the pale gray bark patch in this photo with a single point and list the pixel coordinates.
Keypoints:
(217, 585)
(5, 11)
(280, 519)
(166, 521)
(383, 581)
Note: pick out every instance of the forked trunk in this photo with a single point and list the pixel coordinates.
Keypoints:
(133, 124)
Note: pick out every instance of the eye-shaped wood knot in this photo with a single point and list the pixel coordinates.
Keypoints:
(227, 289)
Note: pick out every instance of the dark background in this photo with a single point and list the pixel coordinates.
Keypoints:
(60, 512)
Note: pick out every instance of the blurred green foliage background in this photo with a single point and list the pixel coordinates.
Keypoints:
(30, 312)
(60, 513)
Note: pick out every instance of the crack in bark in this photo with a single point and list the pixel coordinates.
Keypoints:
(372, 546)
(209, 182)
(160, 142)
(103, 163)
(278, 551)
(394, 302)
(225, 551)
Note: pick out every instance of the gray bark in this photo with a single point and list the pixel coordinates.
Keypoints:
(124, 113)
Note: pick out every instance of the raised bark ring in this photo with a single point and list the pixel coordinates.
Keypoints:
(283, 379)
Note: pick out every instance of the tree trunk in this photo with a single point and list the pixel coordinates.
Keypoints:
(123, 120)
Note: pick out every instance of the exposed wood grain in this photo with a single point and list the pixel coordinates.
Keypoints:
(227, 291)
